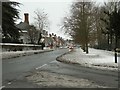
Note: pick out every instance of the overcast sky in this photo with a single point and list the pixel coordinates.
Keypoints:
(56, 10)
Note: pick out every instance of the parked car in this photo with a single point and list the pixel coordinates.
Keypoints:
(71, 48)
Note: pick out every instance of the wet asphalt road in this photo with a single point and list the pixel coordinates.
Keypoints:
(15, 70)
(101, 77)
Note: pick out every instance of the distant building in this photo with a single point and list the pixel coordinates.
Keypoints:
(29, 34)
(24, 28)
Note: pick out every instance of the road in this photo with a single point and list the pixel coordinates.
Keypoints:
(15, 70)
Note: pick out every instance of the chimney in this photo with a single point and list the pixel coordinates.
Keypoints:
(26, 18)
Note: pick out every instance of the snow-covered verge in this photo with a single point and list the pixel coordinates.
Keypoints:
(50, 79)
(99, 59)
(14, 54)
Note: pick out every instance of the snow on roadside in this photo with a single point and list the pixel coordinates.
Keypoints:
(100, 59)
(49, 79)
(14, 54)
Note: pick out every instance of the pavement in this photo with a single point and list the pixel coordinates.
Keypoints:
(100, 59)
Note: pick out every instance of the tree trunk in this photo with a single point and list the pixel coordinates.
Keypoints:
(86, 42)
(87, 48)
(108, 42)
(115, 48)
(111, 41)
(40, 36)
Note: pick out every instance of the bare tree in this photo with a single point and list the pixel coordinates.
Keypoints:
(33, 34)
(109, 9)
(41, 22)
(96, 27)
(78, 24)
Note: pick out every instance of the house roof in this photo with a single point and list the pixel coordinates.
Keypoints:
(23, 26)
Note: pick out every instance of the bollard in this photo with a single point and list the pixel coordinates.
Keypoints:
(115, 56)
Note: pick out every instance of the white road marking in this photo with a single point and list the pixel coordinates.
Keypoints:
(2, 87)
(41, 66)
(53, 61)
(9, 83)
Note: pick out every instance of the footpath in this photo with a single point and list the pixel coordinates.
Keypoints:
(100, 59)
